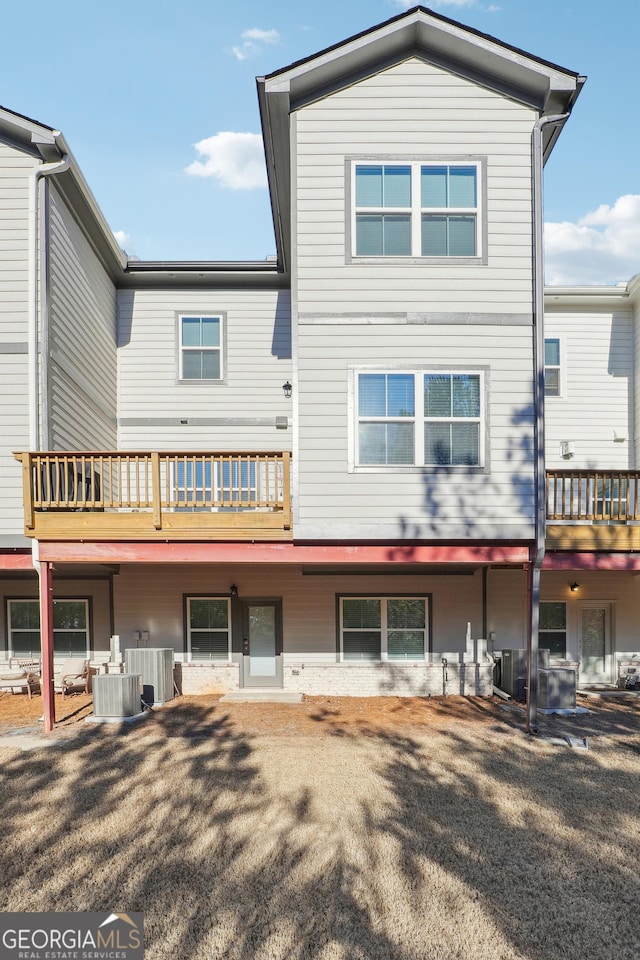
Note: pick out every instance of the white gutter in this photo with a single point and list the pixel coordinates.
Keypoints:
(44, 170)
(538, 397)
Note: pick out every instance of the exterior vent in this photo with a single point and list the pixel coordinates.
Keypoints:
(116, 695)
(155, 666)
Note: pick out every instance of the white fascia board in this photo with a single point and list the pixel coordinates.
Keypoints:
(556, 298)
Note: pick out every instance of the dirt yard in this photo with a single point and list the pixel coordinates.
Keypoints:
(336, 829)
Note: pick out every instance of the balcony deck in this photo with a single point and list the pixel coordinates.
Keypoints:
(591, 510)
(132, 495)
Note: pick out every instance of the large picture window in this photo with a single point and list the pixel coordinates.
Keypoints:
(200, 348)
(208, 628)
(419, 418)
(383, 628)
(416, 209)
(70, 628)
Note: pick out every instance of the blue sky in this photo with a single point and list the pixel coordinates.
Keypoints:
(135, 86)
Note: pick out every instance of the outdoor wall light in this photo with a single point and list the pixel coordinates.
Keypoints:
(574, 587)
(233, 590)
(287, 389)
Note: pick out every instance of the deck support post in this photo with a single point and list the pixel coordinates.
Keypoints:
(46, 641)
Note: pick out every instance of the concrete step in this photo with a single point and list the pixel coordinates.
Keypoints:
(262, 695)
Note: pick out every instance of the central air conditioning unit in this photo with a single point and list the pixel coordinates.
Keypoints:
(155, 665)
(116, 695)
(514, 670)
(557, 688)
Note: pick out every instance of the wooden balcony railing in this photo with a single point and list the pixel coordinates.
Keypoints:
(593, 496)
(140, 495)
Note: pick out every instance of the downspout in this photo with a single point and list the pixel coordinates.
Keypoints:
(44, 576)
(535, 567)
(44, 170)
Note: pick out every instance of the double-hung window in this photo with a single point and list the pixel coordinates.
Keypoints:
(419, 418)
(383, 628)
(552, 633)
(416, 209)
(200, 348)
(208, 628)
(70, 628)
(552, 367)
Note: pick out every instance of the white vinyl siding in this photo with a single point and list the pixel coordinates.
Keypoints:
(594, 411)
(309, 603)
(337, 499)
(82, 387)
(160, 411)
(15, 170)
(412, 112)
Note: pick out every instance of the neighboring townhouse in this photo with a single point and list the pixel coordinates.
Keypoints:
(323, 472)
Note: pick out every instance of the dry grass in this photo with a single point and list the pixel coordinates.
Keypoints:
(336, 830)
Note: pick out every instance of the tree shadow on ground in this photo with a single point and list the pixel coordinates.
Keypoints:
(388, 847)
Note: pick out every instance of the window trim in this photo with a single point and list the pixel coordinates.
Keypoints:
(87, 601)
(418, 419)
(384, 597)
(188, 653)
(221, 349)
(415, 162)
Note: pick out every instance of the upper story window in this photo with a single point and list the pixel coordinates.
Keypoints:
(552, 368)
(416, 209)
(420, 418)
(200, 348)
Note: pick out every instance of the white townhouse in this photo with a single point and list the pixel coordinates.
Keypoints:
(325, 472)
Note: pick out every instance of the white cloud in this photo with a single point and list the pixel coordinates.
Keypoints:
(602, 247)
(235, 159)
(122, 238)
(253, 41)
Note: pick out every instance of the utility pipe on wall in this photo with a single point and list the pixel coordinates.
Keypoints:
(535, 567)
(35, 279)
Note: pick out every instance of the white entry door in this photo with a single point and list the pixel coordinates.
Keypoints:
(595, 644)
(262, 643)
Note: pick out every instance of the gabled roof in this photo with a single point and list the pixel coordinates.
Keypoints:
(47, 145)
(544, 86)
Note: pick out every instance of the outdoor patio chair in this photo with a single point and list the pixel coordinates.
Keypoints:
(21, 675)
(72, 677)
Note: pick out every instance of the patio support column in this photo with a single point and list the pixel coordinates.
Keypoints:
(46, 641)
